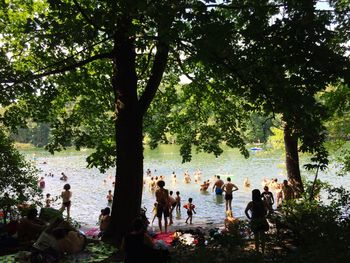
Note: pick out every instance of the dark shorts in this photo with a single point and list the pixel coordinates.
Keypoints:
(174, 205)
(228, 197)
(218, 191)
(66, 204)
(162, 210)
(259, 225)
(189, 213)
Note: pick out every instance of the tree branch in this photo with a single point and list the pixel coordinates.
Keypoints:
(63, 69)
(158, 68)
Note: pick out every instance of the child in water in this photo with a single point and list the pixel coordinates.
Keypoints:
(109, 197)
(48, 200)
(190, 210)
(154, 211)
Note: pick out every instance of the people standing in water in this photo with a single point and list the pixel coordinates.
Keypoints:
(42, 183)
(162, 198)
(190, 210)
(288, 193)
(178, 202)
(48, 200)
(172, 205)
(66, 202)
(109, 197)
(246, 182)
(256, 211)
(229, 188)
(267, 197)
(154, 211)
(218, 185)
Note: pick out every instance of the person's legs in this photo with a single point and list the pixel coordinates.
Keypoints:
(262, 238)
(165, 224)
(257, 240)
(230, 205)
(160, 223)
(68, 212)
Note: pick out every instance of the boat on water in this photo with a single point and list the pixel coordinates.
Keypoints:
(256, 149)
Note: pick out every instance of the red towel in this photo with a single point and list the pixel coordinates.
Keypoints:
(166, 237)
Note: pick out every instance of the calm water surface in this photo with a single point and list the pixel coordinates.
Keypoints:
(90, 187)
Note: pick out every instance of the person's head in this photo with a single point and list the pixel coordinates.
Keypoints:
(275, 180)
(48, 195)
(106, 211)
(228, 179)
(256, 195)
(155, 204)
(171, 193)
(190, 200)
(161, 183)
(42, 178)
(218, 176)
(266, 188)
(177, 192)
(285, 182)
(109, 191)
(66, 187)
(102, 211)
(32, 213)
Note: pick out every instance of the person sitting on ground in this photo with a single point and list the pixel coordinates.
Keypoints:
(138, 246)
(230, 221)
(257, 216)
(46, 248)
(69, 241)
(30, 226)
(105, 220)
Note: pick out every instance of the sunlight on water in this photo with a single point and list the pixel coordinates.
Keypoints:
(90, 190)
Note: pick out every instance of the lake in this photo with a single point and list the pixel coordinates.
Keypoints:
(90, 187)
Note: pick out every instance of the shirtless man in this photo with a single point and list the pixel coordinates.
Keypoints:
(218, 185)
(163, 208)
(288, 193)
(228, 188)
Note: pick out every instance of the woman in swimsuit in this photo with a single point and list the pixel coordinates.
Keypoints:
(66, 203)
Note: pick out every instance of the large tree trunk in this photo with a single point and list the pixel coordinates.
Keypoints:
(292, 160)
(129, 175)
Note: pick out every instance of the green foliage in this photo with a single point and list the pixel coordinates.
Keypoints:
(321, 231)
(18, 178)
(276, 140)
(99, 252)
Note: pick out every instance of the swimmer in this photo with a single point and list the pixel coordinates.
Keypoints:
(48, 200)
(63, 177)
(109, 197)
(190, 210)
(246, 182)
(42, 183)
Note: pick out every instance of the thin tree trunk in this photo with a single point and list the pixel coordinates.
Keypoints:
(292, 160)
(129, 173)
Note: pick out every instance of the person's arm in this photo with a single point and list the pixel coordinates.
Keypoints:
(247, 209)
(272, 199)
(236, 187)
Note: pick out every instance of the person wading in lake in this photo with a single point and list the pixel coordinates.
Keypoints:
(66, 196)
(218, 185)
(228, 188)
(163, 208)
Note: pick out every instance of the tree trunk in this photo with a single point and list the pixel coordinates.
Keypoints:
(129, 173)
(292, 160)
